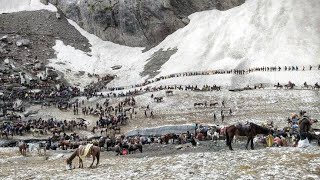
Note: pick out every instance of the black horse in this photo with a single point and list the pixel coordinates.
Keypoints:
(250, 130)
(304, 130)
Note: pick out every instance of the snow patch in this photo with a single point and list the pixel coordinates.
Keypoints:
(103, 56)
(10, 6)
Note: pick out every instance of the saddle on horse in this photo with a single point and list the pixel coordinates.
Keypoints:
(243, 127)
(84, 150)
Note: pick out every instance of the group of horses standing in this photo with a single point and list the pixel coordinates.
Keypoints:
(290, 85)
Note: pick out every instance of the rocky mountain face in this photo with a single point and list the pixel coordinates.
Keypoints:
(142, 23)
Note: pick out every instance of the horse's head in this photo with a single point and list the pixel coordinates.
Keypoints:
(69, 165)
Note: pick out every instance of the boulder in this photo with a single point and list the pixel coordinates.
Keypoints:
(58, 15)
(4, 38)
(6, 61)
(185, 20)
(23, 42)
(45, 2)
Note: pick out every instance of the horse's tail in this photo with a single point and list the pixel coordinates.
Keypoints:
(227, 137)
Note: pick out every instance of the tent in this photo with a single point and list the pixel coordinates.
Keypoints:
(162, 130)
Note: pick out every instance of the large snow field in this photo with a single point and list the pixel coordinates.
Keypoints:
(255, 34)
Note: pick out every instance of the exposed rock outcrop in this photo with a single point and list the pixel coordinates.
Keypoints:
(28, 36)
(136, 22)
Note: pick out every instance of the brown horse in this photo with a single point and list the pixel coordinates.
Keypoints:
(22, 148)
(64, 144)
(289, 86)
(167, 137)
(93, 151)
(133, 147)
(250, 130)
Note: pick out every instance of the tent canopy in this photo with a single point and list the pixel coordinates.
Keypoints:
(162, 130)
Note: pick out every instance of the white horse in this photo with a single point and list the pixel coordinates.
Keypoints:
(38, 146)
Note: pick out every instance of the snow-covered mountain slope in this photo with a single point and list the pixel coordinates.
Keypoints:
(9, 6)
(257, 33)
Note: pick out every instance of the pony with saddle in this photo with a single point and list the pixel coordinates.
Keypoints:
(82, 152)
(250, 130)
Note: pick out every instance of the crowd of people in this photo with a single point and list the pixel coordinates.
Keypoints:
(214, 72)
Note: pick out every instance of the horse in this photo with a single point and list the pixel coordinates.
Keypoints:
(82, 152)
(250, 130)
(260, 86)
(198, 104)
(289, 86)
(305, 85)
(100, 142)
(64, 144)
(278, 86)
(169, 92)
(167, 137)
(316, 86)
(158, 99)
(133, 147)
(213, 104)
(109, 143)
(305, 126)
(22, 148)
(38, 147)
(200, 136)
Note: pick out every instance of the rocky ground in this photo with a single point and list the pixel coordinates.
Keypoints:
(27, 40)
(42, 29)
(257, 106)
(207, 160)
(166, 162)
